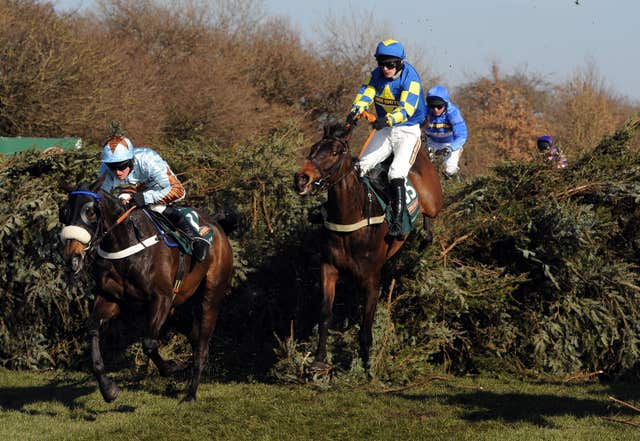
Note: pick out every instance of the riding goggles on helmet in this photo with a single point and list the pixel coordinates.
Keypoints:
(119, 166)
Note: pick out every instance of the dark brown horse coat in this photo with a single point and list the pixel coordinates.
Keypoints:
(144, 278)
(362, 252)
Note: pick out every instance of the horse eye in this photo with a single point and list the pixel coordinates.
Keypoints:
(88, 213)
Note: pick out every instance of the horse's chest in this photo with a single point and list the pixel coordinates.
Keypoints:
(349, 254)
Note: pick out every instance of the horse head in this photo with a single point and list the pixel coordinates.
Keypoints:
(326, 161)
(82, 217)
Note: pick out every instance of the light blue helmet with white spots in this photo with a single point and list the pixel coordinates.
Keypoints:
(117, 149)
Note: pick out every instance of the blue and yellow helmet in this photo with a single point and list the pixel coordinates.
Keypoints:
(390, 49)
(117, 149)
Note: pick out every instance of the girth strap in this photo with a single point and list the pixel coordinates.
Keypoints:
(353, 227)
(179, 275)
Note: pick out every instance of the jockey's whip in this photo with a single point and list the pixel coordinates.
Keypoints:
(371, 118)
(125, 215)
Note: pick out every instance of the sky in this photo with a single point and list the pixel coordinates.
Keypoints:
(461, 38)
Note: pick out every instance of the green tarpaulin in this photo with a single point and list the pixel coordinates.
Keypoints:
(14, 145)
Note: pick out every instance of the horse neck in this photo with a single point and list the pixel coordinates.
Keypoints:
(346, 198)
(123, 234)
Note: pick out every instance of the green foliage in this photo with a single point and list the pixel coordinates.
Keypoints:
(43, 311)
(533, 269)
(39, 308)
(543, 270)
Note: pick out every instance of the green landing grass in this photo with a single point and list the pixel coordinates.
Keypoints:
(68, 406)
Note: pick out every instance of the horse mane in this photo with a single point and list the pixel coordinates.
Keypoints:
(95, 187)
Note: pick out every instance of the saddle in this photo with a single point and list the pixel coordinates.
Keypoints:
(377, 182)
(174, 237)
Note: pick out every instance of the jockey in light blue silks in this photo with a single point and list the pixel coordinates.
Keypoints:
(445, 128)
(396, 90)
(123, 166)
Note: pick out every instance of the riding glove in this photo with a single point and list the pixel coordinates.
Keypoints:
(380, 123)
(351, 118)
(443, 152)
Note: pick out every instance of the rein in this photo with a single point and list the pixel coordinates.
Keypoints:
(323, 183)
(94, 243)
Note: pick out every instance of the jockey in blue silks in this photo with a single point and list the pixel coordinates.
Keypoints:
(123, 166)
(550, 153)
(395, 88)
(445, 128)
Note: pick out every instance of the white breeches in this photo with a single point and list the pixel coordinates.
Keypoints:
(451, 160)
(402, 141)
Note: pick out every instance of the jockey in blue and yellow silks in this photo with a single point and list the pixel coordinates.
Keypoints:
(395, 88)
(124, 165)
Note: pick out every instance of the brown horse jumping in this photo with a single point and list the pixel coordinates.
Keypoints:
(363, 251)
(131, 266)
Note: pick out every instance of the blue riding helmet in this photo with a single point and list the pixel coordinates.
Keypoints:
(390, 48)
(117, 149)
(544, 142)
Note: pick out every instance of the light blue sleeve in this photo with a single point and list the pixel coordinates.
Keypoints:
(157, 171)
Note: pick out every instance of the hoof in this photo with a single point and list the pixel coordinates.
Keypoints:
(188, 399)
(425, 243)
(110, 392)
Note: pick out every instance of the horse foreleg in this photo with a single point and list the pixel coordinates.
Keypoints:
(200, 343)
(103, 310)
(329, 277)
(158, 313)
(371, 292)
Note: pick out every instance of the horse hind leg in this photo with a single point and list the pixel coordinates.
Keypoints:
(200, 341)
(102, 312)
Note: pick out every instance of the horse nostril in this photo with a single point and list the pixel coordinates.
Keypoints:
(302, 178)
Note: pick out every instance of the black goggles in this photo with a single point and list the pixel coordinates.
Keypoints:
(543, 145)
(436, 106)
(389, 64)
(119, 166)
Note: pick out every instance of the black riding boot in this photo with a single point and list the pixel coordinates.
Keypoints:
(199, 243)
(397, 206)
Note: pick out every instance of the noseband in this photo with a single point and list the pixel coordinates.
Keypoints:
(324, 181)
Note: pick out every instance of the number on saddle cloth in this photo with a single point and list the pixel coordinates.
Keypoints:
(378, 183)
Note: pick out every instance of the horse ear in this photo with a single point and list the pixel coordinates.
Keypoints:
(97, 184)
(338, 130)
(347, 131)
(66, 187)
(342, 131)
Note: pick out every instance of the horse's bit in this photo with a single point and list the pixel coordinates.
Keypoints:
(323, 182)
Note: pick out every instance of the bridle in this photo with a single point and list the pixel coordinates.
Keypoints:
(325, 179)
(100, 232)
